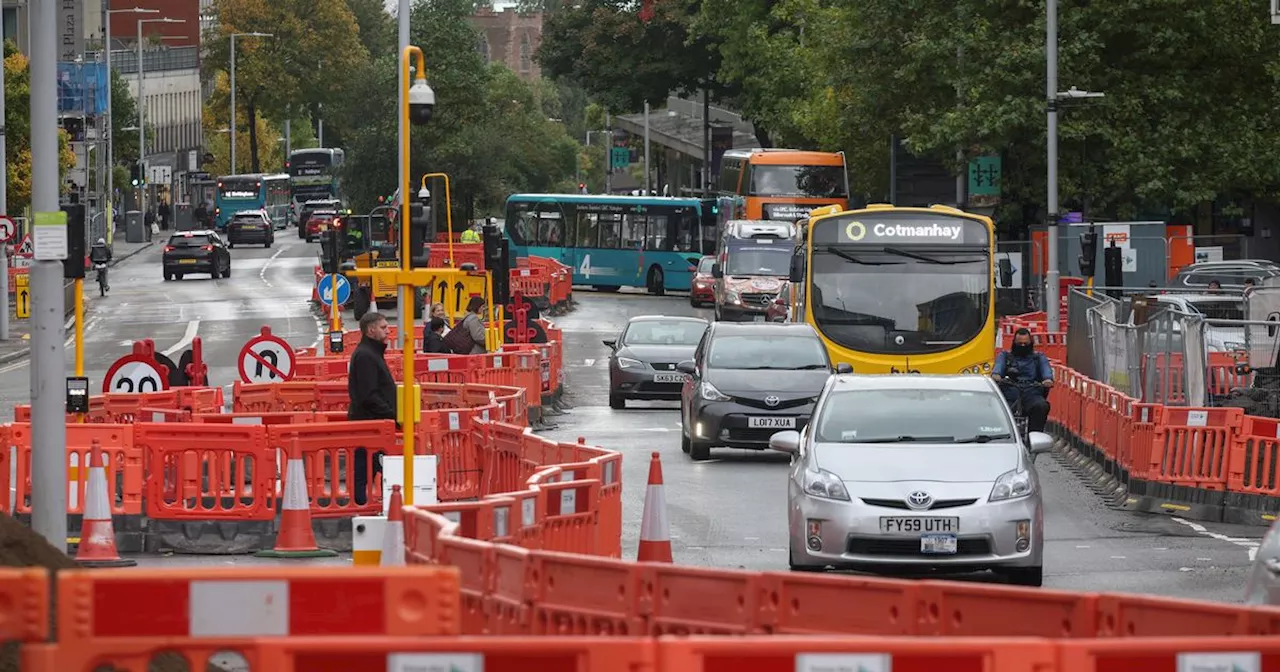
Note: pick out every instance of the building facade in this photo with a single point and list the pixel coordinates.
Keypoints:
(511, 38)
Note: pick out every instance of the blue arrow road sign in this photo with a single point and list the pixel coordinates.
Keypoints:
(326, 289)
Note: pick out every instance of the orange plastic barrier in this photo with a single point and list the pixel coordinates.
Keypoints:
(328, 452)
(24, 605)
(229, 602)
(206, 471)
(123, 461)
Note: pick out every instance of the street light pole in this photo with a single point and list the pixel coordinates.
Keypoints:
(233, 92)
(142, 108)
(108, 131)
(49, 238)
(1053, 300)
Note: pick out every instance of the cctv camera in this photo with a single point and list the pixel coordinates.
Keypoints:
(424, 194)
(422, 102)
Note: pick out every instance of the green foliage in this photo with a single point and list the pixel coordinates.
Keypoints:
(17, 120)
(124, 114)
(492, 133)
(377, 26)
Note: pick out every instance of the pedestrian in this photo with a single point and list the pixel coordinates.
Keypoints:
(372, 392)
(165, 213)
(467, 338)
(200, 215)
(472, 235)
(433, 337)
(437, 310)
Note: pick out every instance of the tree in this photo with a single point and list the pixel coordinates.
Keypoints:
(490, 132)
(623, 61)
(217, 140)
(377, 26)
(308, 61)
(17, 119)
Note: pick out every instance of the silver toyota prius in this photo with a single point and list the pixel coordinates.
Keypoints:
(915, 473)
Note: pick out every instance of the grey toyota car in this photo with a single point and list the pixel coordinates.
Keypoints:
(748, 381)
(642, 365)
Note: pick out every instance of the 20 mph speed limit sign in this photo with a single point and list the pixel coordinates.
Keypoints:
(266, 359)
(135, 374)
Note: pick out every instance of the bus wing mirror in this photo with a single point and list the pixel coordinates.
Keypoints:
(716, 271)
(797, 269)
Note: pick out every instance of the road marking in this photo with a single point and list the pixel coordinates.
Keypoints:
(262, 274)
(1082, 547)
(751, 538)
(588, 362)
(1249, 544)
(192, 327)
(1117, 557)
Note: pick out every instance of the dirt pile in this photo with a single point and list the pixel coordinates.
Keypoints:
(21, 547)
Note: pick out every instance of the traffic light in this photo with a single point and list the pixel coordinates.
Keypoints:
(1088, 252)
(135, 174)
(419, 227)
(73, 265)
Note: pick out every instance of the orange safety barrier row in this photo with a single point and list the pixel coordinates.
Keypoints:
(1209, 463)
(354, 653)
(125, 408)
(546, 281)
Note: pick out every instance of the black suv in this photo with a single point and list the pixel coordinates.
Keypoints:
(196, 252)
(251, 227)
(748, 381)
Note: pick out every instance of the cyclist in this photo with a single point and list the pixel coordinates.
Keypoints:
(1025, 376)
(100, 255)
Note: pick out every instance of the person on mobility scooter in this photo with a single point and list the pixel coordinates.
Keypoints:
(1025, 377)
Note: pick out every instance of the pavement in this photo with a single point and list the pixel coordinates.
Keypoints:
(729, 512)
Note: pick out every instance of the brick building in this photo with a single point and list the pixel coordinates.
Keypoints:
(511, 38)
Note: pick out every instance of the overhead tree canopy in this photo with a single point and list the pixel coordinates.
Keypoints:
(17, 120)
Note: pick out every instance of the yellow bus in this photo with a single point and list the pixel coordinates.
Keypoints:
(898, 290)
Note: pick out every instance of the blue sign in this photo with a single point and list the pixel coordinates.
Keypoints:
(326, 289)
(82, 87)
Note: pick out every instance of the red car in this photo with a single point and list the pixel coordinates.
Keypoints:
(703, 290)
(320, 221)
(780, 309)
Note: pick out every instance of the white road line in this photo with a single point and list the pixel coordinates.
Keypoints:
(262, 274)
(192, 327)
(1249, 544)
(588, 362)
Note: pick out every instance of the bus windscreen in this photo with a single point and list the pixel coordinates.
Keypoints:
(798, 181)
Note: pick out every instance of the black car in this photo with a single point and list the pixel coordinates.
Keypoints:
(749, 381)
(251, 227)
(196, 252)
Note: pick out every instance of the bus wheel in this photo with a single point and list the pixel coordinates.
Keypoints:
(656, 283)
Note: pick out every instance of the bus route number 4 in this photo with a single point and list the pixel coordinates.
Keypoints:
(585, 268)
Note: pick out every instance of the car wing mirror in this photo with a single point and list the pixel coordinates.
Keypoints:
(612, 343)
(687, 366)
(785, 442)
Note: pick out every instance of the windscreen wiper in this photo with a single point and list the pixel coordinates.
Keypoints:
(927, 259)
(984, 438)
(832, 249)
(907, 439)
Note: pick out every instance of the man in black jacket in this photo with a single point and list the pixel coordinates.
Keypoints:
(372, 391)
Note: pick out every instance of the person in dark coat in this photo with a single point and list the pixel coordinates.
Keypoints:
(372, 390)
(433, 338)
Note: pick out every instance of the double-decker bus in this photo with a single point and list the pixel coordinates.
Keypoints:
(899, 290)
(313, 175)
(612, 241)
(783, 184)
(237, 193)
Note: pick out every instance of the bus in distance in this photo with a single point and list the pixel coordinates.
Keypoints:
(237, 193)
(612, 242)
(781, 184)
(314, 175)
(899, 290)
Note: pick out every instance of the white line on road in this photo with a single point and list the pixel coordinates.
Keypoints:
(1249, 544)
(262, 274)
(192, 327)
(588, 362)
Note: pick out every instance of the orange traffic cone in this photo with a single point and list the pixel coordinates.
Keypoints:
(97, 533)
(296, 539)
(655, 529)
(393, 531)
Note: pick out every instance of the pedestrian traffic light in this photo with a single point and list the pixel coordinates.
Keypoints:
(135, 174)
(1088, 252)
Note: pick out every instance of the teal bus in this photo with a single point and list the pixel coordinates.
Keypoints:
(612, 242)
(237, 193)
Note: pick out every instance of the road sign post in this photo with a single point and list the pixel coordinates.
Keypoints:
(266, 358)
(328, 287)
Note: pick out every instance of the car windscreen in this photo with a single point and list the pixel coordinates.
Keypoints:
(913, 416)
(189, 241)
(759, 259)
(704, 266)
(767, 351)
(664, 332)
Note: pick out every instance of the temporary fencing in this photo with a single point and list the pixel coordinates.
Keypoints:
(546, 282)
(1208, 463)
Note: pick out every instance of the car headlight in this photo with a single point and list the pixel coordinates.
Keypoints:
(731, 296)
(825, 484)
(628, 363)
(710, 393)
(1014, 484)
